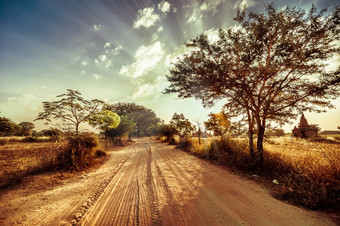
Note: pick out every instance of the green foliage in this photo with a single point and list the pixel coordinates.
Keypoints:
(125, 126)
(143, 117)
(71, 109)
(8, 127)
(181, 124)
(105, 120)
(26, 128)
(269, 69)
(168, 131)
(219, 123)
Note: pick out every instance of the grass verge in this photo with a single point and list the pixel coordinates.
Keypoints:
(307, 172)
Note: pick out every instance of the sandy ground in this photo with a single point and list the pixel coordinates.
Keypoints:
(150, 183)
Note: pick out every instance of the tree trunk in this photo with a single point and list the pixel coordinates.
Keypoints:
(260, 137)
(105, 139)
(251, 142)
(77, 128)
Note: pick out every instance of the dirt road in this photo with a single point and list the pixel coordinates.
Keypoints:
(150, 183)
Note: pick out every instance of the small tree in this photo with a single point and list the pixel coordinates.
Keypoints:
(26, 128)
(126, 126)
(181, 124)
(199, 130)
(8, 127)
(218, 123)
(105, 120)
(168, 131)
(71, 109)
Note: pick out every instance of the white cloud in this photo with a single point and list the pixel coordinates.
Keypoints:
(199, 11)
(97, 77)
(84, 63)
(96, 61)
(151, 89)
(83, 72)
(97, 27)
(107, 45)
(146, 18)
(164, 6)
(212, 35)
(114, 51)
(242, 3)
(146, 57)
(102, 58)
(43, 87)
(160, 29)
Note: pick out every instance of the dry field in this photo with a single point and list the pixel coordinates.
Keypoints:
(20, 159)
(308, 171)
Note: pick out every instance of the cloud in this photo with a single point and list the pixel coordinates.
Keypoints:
(83, 72)
(43, 87)
(242, 3)
(107, 45)
(98, 27)
(212, 35)
(146, 18)
(102, 58)
(202, 10)
(146, 57)
(164, 6)
(115, 51)
(97, 77)
(84, 63)
(151, 89)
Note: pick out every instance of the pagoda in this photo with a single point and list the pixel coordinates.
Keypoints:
(304, 130)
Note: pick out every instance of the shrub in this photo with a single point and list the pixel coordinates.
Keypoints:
(100, 153)
(80, 151)
(3, 141)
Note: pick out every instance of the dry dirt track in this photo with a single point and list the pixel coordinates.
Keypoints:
(150, 183)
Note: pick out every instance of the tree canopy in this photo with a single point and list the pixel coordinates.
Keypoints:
(218, 122)
(181, 124)
(268, 68)
(143, 117)
(72, 109)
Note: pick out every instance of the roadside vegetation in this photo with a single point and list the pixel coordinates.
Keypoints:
(25, 151)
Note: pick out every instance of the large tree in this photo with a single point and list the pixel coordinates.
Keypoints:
(105, 121)
(71, 109)
(268, 68)
(140, 115)
(26, 128)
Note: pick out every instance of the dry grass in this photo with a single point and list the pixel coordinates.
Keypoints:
(309, 170)
(20, 159)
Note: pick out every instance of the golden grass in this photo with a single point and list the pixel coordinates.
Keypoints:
(310, 170)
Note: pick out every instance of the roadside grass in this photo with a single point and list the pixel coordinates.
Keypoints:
(21, 159)
(307, 171)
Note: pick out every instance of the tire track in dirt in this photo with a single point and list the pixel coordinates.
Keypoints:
(188, 181)
(83, 207)
(120, 204)
(155, 214)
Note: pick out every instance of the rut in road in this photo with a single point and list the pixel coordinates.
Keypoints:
(160, 185)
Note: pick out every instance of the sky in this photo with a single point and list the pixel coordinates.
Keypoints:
(116, 51)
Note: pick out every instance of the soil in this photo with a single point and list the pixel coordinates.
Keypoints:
(149, 183)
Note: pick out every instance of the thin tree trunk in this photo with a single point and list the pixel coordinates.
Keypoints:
(251, 142)
(260, 137)
(77, 128)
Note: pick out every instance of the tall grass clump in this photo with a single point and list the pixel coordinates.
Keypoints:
(80, 151)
